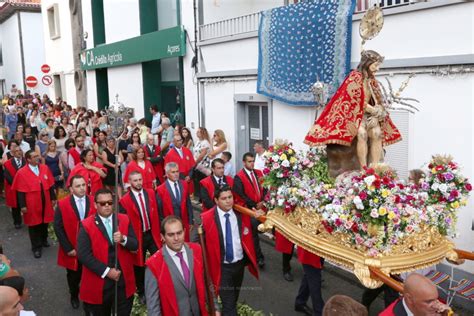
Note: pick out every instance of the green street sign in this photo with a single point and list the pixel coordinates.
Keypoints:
(151, 46)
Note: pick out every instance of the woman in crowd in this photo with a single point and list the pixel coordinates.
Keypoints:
(134, 145)
(87, 139)
(49, 127)
(110, 162)
(60, 137)
(143, 129)
(200, 152)
(100, 144)
(11, 121)
(220, 144)
(33, 122)
(70, 143)
(41, 121)
(64, 122)
(142, 165)
(42, 143)
(52, 159)
(187, 138)
(92, 171)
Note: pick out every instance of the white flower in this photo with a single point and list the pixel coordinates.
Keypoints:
(276, 157)
(358, 203)
(368, 180)
(435, 186)
(443, 187)
(285, 163)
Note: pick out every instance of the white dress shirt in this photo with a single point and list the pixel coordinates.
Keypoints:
(175, 258)
(180, 151)
(259, 162)
(155, 123)
(252, 176)
(35, 169)
(103, 219)
(236, 244)
(140, 210)
(81, 201)
(173, 188)
(217, 179)
(407, 310)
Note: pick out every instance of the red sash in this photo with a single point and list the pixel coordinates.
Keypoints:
(75, 155)
(282, 244)
(92, 285)
(134, 215)
(148, 173)
(27, 182)
(10, 195)
(71, 227)
(93, 179)
(249, 188)
(306, 257)
(158, 167)
(208, 184)
(214, 256)
(168, 300)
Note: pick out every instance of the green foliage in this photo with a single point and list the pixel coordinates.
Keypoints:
(51, 233)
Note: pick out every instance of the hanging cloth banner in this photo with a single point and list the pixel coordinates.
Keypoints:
(303, 42)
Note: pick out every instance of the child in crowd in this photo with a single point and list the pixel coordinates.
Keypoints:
(229, 169)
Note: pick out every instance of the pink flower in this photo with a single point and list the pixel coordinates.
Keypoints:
(468, 186)
(363, 195)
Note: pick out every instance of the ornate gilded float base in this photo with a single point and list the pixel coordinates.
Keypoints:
(417, 251)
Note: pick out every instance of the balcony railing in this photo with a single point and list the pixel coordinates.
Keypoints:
(249, 23)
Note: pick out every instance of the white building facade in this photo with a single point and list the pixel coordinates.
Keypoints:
(21, 46)
(432, 39)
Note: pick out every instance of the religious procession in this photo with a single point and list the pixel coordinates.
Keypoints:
(236, 157)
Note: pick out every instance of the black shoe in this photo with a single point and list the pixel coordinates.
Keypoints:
(37, 254)
(288, 276)
(46, 244)
(75, 302)
(261, 263)
(17, 226)
(304, 309)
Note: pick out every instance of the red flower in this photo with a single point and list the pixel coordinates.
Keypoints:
(363, 195)
(430, 166)
(386, 180)
(370, 171)
(338, 222)
(401, 186)
(327, 227)
(376, 183)
(439, 168)
(468, 186)
(354, 228)
(440, 176)
(441, 199)
(397, 199)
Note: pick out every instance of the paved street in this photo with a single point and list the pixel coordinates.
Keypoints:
(272, 294)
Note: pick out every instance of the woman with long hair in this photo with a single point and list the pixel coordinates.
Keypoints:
(200, 152)
(87, 139)
(92, 171)
(187, 138)
(142, 165)
(60, 136)
(110, 162)
(219, 145)
(100, 145)
(51, 158)
(33, 122)
(133, 145)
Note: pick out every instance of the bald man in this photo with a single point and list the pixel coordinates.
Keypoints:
(9, 301)
(420, 298)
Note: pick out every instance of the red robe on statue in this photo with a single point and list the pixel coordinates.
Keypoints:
(166, 195)
(157, 166)
(214, 256)
(71, 222)
(341, 118)
(185, 164)
(168, 300)
(148, 173)
(92, 285)
(10, 169)
(93, 179)
(133, 211)
(32, 185)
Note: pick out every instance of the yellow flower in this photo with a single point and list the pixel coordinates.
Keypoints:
(293, 160)
(382, 211)
(385, 193)
(455, 204)
(293, 190)
(283, 157)
(327, 186)
(433, 170)
(290, 151)
(391, 215)
(376, 200)
(371, 188)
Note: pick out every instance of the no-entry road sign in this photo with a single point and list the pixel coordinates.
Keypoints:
(45, 68)
(31, 81)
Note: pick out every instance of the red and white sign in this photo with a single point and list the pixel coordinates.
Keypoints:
(47, 80)
(31, 81)
(45, 68)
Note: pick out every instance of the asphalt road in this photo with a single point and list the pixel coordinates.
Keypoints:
(271, 294)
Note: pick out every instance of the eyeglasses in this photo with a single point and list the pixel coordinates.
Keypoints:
(179, 140)
(105, 203)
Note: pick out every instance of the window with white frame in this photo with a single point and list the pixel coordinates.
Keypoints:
(53, 21)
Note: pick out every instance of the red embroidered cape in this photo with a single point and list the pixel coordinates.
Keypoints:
(341, 118)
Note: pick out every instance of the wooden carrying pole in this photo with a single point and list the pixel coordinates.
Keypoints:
(211, 295)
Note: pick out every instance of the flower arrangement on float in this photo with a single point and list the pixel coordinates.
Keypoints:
(372, 208)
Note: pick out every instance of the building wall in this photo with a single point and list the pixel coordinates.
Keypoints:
(127, 82)
(122, 20)
(217, 10)
(443, 125)
(11, 69)
(59, 53)
(33, 48)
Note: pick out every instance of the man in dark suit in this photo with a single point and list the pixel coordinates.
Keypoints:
(230, 248)
(174, 276)
(141, 206)
(96, 251)
(69, 213)
(10, 169)
(420, 297)
(174, 195)
(250, 193)
(212, 182)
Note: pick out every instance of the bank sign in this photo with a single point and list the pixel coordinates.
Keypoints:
(151, 46)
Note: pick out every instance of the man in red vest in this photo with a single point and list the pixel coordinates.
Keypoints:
(74, 154)
(69, 213)
(310, 284)
(10, 169)
(98, 236)
(174, 196)
(35, 186)
(183, 157)
(249, 193)
(212, 182)
(230, 248)
(153, 154)
(174, 276)
(142, 209)
(420, 297)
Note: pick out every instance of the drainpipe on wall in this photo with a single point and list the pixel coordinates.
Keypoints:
(22, 55)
